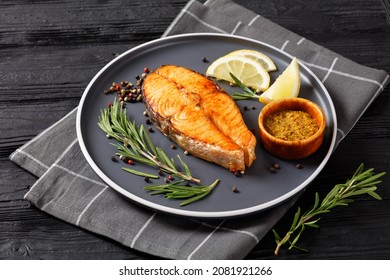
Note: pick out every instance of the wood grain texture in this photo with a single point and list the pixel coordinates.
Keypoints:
(50, 50)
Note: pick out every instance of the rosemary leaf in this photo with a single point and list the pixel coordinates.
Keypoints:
(185, 166)
(139, 173)
(148, 140)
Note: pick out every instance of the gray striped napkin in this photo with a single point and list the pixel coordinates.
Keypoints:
(68, 188)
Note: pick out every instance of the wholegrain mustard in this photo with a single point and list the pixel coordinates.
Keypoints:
(291, 125)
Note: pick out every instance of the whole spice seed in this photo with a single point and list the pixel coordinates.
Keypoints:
(204, 59)
(114, 159)
(271, 169)
(173, 147)
(276, 166)
(235, 190)
(299, 166)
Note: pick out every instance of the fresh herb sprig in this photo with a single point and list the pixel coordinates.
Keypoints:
(362, 182)
(247, 94)
(136, 143)
(177, 191)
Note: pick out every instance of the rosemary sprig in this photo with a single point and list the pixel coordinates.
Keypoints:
(247, 94)
(136, 143)
(178, 191)
(362, 182)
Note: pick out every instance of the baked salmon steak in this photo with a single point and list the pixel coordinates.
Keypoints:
(197, 114)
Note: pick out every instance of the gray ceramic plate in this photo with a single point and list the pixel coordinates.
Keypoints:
(258, 188)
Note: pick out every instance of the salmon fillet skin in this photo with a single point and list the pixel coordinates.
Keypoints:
(197, 114)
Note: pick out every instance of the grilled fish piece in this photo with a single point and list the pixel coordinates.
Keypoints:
(199, 116)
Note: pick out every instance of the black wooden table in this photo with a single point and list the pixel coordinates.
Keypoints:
(50, 50)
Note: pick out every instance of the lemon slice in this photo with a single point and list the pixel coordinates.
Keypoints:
(249, 71)
(286, 85)
(267, 62)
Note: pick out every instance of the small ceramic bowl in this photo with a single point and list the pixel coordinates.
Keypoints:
(295, 149)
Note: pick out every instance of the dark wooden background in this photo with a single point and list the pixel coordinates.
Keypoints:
(50, 50)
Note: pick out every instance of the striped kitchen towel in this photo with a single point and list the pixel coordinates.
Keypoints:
(69, 189)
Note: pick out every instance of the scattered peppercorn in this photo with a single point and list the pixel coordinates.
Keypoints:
(235, 190)
(130, 162)
(271, 169)
(246, 108)
(170, 177)
(146, 179)
(145, 114)
(186, 153)
(148, 122)
(166, 180)
(299, 166)
(237, 174)
(126, 91)
(173, 147)
(205, 60)
(253, 108)
(276, 166)
(114, 159)
(146, 70)
(150, 129)
(160, 172)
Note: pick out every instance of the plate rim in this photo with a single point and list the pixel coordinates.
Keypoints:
(190, 213)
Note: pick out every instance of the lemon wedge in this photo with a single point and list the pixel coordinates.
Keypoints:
(265, 61)
(286, 85)
(249, 71)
